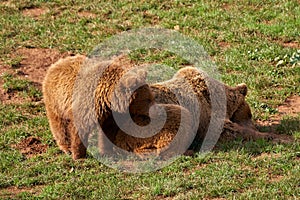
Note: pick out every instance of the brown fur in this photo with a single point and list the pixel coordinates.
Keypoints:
(237, 110)
(159, 143)
(238, 113)
(58, 88)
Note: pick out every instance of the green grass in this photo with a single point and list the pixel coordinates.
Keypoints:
(254, 33)
(25, 87)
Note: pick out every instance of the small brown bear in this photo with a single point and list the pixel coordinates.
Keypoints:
(74, 96)
(173, 139)
(237, 109)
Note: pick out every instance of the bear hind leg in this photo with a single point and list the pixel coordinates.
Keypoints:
(78, 144)
(58, 128)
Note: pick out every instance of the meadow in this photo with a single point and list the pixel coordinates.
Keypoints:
(253, 42)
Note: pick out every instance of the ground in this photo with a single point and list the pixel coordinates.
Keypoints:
(32, 64)
(31, 146)
(290, 107)
(251, 41)
(33, 67)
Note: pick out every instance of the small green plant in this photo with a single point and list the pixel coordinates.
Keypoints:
(293, 59)
(34, 93)
(15, 62)
(12, 84)
(289, 125)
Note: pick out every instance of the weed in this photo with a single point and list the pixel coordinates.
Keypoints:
(12, 84)
(14, 62)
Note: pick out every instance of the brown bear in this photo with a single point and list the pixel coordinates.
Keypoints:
(172, 139)
(69, 96)
(238, 118)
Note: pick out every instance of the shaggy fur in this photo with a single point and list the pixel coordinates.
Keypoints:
(159, 144)
(70, 116)
(188, 83)
(238, 113)
(62, 96)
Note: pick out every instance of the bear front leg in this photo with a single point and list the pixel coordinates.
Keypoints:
(245, 132)
(58, 127)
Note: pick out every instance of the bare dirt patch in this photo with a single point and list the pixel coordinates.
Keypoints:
(33, 67)
(31, 146)
(266, 156)
(267, 22)
(291, 107)
(295, 44)
(34, 12)
(276, 178)
(10, 97)
(224, 45)
(87, 14)
(226, 6)
(13, 191)
(36, 61)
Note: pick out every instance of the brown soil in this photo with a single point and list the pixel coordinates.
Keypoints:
(295, 45)
(34, 12)
(36, 61)
(226, 6)
(268, 22)
(87, 14)
(266, 156)
(13, 191)
(291, 107)
(10, 97)
(31, 146)
(33, 67)
(275, 178)
(224, 45)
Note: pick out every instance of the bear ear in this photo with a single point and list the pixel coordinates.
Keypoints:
(242, 88)
(132, 79)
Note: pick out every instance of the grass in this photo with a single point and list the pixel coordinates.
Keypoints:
(246, 39)
(27, 88)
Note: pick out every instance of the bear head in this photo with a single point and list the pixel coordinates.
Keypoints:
(238, 109)
(133, 93)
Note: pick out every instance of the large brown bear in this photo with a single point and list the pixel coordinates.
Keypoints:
(69, 99)
(237, 119)
(190, 81)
